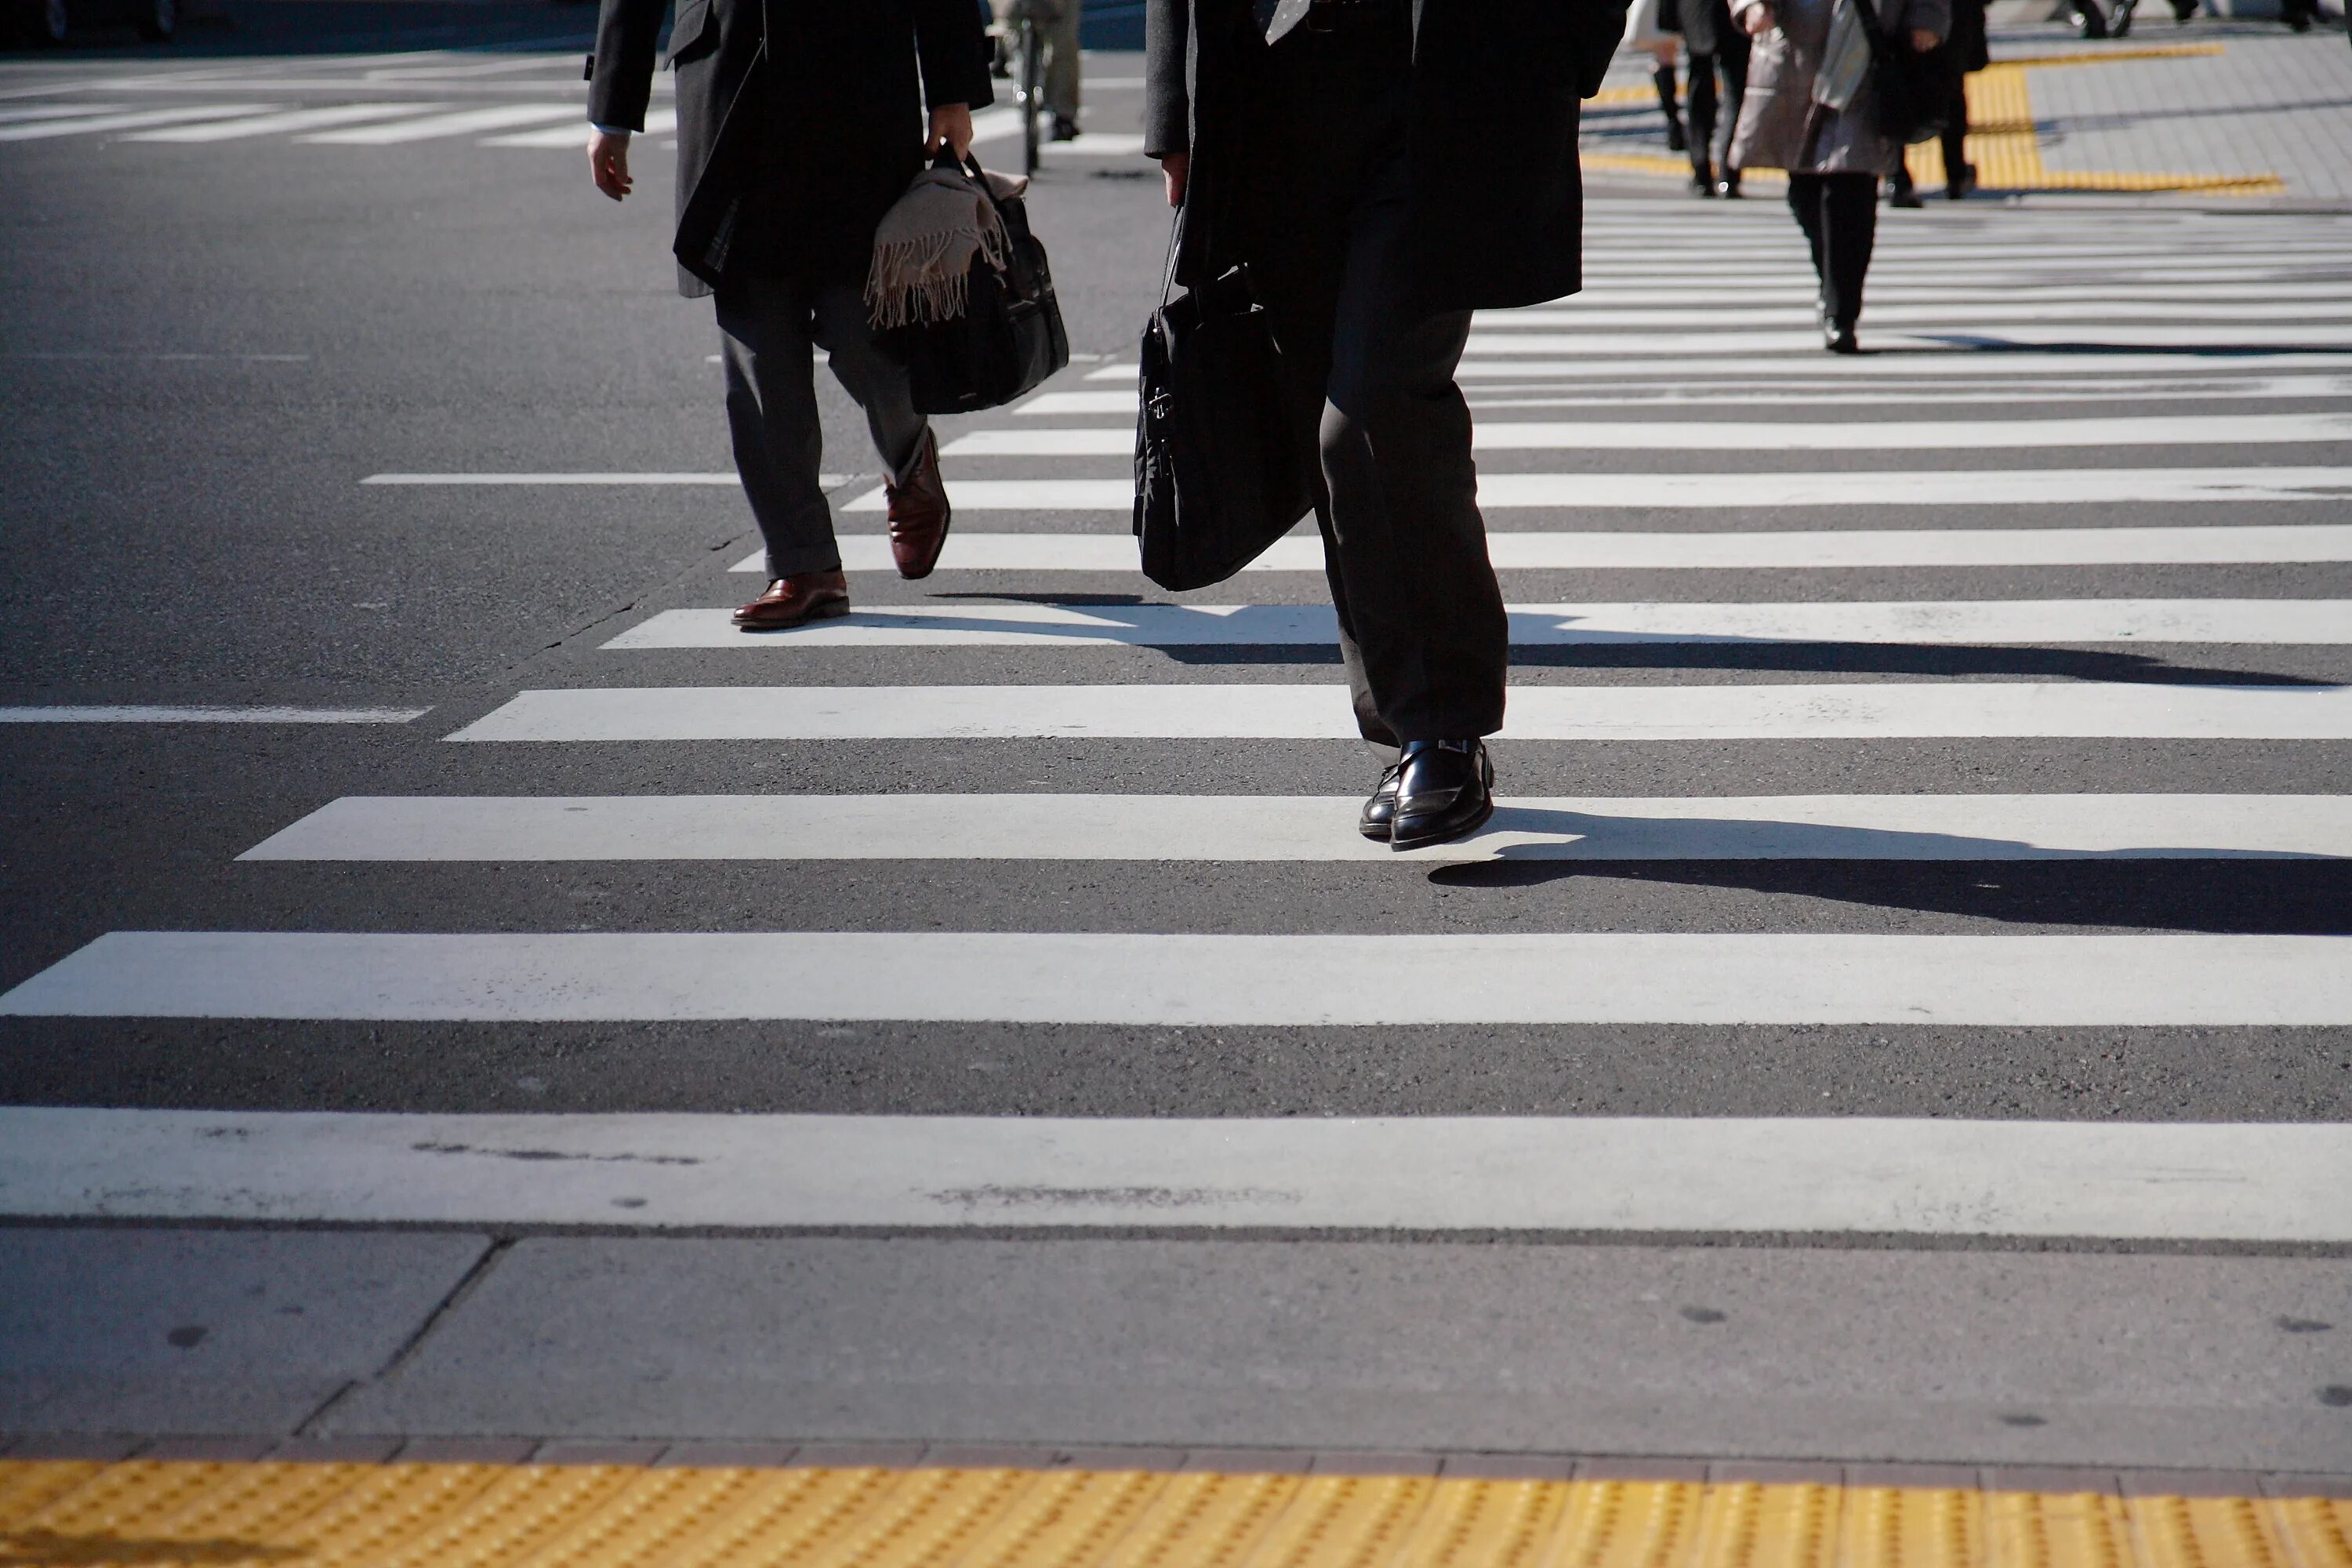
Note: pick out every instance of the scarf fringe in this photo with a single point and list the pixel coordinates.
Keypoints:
(926, 276)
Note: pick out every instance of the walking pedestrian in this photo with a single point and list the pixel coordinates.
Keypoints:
(1969, 55)
(787, 159)
(1651, 26)
(1383, 168)
(1811, 109)
(1056, 22)
(1715, 48)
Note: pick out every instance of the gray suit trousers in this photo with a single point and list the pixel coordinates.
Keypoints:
(767, 328)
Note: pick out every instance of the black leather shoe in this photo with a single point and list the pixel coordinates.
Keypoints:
(1839, 338)
(1727, 187)
(1445, 789)
(1380, 807)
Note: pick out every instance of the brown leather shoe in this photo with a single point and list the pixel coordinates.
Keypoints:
(919, 513)
(794, 601)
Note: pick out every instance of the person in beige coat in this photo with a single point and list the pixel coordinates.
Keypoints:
(1811, 110)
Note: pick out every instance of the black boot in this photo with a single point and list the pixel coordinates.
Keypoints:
(1664, 77)
(1446, 789)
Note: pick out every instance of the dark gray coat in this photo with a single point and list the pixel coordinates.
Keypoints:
(824, 138)
(1495, 210)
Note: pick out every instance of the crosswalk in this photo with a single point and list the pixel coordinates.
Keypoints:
(2146, 488)
(551, 117)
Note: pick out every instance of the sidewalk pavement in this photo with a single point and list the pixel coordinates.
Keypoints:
(2245, 110)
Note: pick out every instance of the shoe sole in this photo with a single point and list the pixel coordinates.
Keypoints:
(1485, 811)
(828, 611)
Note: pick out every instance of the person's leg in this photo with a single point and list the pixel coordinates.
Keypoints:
(1662, 76)
(871, 375)
(1061, 65)
(1405, 527)
(1700, 91)
(1805, 203)
(764, 333)
(1850, 226)
(1732, 61)
(1959, 177)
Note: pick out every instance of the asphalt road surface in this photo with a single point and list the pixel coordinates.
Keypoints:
(1900, 1014)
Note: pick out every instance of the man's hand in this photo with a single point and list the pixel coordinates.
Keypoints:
(608, 161)
(1756, 19)
(951, 127)
(1923, 40)
(1178, 167)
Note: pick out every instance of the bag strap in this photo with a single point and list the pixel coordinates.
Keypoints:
(1872, 35)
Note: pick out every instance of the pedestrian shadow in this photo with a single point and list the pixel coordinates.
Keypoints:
(2185, 887)
(1978, 343)
(1811, 658)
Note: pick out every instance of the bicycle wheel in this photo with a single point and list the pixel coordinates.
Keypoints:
(1033, 90)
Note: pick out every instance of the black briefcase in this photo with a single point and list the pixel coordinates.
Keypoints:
(1220, 470)
(1008, 340)
(1914, 87)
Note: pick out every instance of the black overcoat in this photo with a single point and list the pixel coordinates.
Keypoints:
(822, 138)
(1496, 207)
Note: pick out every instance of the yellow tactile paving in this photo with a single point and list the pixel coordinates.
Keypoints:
(2005, 142)
(166, 1514)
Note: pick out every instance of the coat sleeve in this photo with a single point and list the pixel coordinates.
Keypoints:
(953, 43)
(1934, 16)
(621, 71)
(1166, 105)
(1600, 25)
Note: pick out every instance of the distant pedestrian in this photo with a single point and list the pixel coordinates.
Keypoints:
(1811, 110)
(1716, 47)
(787, 159)
(1383, 168)
(1969, 55)
(1651, 27)
(1056, 22)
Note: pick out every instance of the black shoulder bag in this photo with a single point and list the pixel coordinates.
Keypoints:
(1913, 88)
(1010, 336)
(1219, 471)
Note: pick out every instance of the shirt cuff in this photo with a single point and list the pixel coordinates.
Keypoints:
(611, 130)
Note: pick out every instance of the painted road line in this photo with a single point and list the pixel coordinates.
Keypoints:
(1916, 363)
(283, 122)
(1878, 488)
(2188, 300)
(1595, 315)
(828, 481)
(2202, 394)
(1156, 980)
(1808, 550)
(1190, 828)
(1753, 436)
(1095, 144)
(134, 714)
(1959, 622)
(1812, 710)
(55, 111)
(135, 120)
(1932, 360)
(1964, 334)
(662, 121)
(458, 122)
(2249, 1181)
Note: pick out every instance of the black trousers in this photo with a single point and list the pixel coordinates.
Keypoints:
(1839, 214)
(1318, 189)
(768, 331)
(1715, 47)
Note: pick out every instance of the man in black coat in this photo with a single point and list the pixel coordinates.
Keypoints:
(1383, 168)
(799, 123)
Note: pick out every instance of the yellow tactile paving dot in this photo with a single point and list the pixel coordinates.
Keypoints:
(172, 1514)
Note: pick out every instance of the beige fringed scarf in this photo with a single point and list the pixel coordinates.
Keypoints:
(924, 247)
